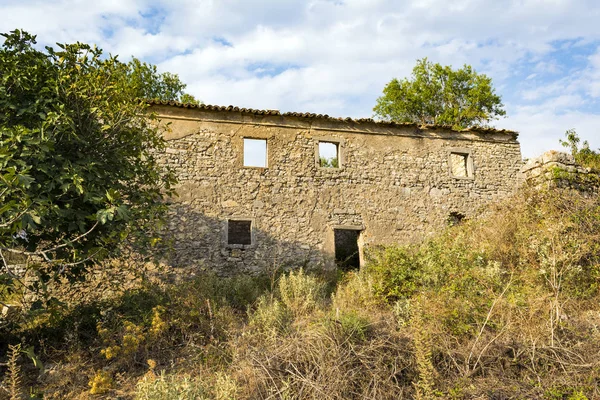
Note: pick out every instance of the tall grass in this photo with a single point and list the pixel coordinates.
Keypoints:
(506, 306)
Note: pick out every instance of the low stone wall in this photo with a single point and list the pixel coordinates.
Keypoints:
(558, 169)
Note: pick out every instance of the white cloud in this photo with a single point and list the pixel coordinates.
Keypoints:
(593, 75)
(541, 129)
(68, 21)
(128, 41)
(548, 67)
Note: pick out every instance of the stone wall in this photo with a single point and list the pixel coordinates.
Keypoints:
(559, 169)
(395, 184)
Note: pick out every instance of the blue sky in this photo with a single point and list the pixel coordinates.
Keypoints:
(335, 56)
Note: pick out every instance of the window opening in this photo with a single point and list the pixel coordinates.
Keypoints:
(347, 256)
(255, 153)
(329, 156)
(459, 165)
(455, 218)
(239, 232)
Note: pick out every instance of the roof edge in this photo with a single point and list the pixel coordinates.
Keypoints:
(307, 115)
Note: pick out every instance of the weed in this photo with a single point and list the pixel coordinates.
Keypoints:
(101, 382)
(13, 380)
(301, 293)
(170, 387)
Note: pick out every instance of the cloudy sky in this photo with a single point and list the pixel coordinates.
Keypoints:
(335, 56)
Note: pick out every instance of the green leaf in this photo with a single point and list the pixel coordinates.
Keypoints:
(29, 351)
(36, 218)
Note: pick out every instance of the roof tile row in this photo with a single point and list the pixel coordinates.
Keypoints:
(322, 116)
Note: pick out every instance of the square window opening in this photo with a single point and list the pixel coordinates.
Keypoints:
(239, 232)
(459, 165)
(329, 155)
(255, 153)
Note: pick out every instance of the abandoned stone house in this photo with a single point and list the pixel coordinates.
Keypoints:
(259, 188)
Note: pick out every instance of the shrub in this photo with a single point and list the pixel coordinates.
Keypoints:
(101, 383)
(356, 292)
(123, 342)
(170, 387)
(351, 326)
(396, 272)
(237, 292)
(301, 293)
(270, 316)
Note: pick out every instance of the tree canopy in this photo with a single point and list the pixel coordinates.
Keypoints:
(583, 154)
(148, 83)
(439, 95)
(78, 155)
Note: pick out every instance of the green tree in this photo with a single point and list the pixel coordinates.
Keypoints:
(331, 162)
(439, 95)
(148, 83)
(79, 175)
(583, 155)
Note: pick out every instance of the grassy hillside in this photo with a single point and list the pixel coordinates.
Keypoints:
(504, 307)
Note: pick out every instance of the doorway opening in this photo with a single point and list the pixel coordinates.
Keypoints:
(347, 253)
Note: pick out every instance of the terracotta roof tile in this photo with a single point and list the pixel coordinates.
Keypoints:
(324, 116)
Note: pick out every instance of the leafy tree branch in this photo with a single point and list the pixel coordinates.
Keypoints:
(439, 95)
(79, 174)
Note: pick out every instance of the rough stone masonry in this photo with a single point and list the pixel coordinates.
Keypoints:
(283, 205)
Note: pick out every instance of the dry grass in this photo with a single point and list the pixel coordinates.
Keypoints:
(505, 307)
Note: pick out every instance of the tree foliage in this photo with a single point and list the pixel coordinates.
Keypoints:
(329, 162)
(148, 83)
(439, 95)
(583, 154)
(78, 167)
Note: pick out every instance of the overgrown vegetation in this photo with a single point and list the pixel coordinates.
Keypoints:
(79, 174)
(499, 308)
(582, 152)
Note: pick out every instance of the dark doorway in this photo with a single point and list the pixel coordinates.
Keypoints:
(347, 255)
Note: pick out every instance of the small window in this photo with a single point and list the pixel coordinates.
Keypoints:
(329, 156)
(460, 165)
(455, 218)
(255, 153)
(239, 232)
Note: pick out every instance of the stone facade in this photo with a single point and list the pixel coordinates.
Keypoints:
(395, 183)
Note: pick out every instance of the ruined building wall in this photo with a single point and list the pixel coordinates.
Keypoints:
(395, 184)
(555, 169)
